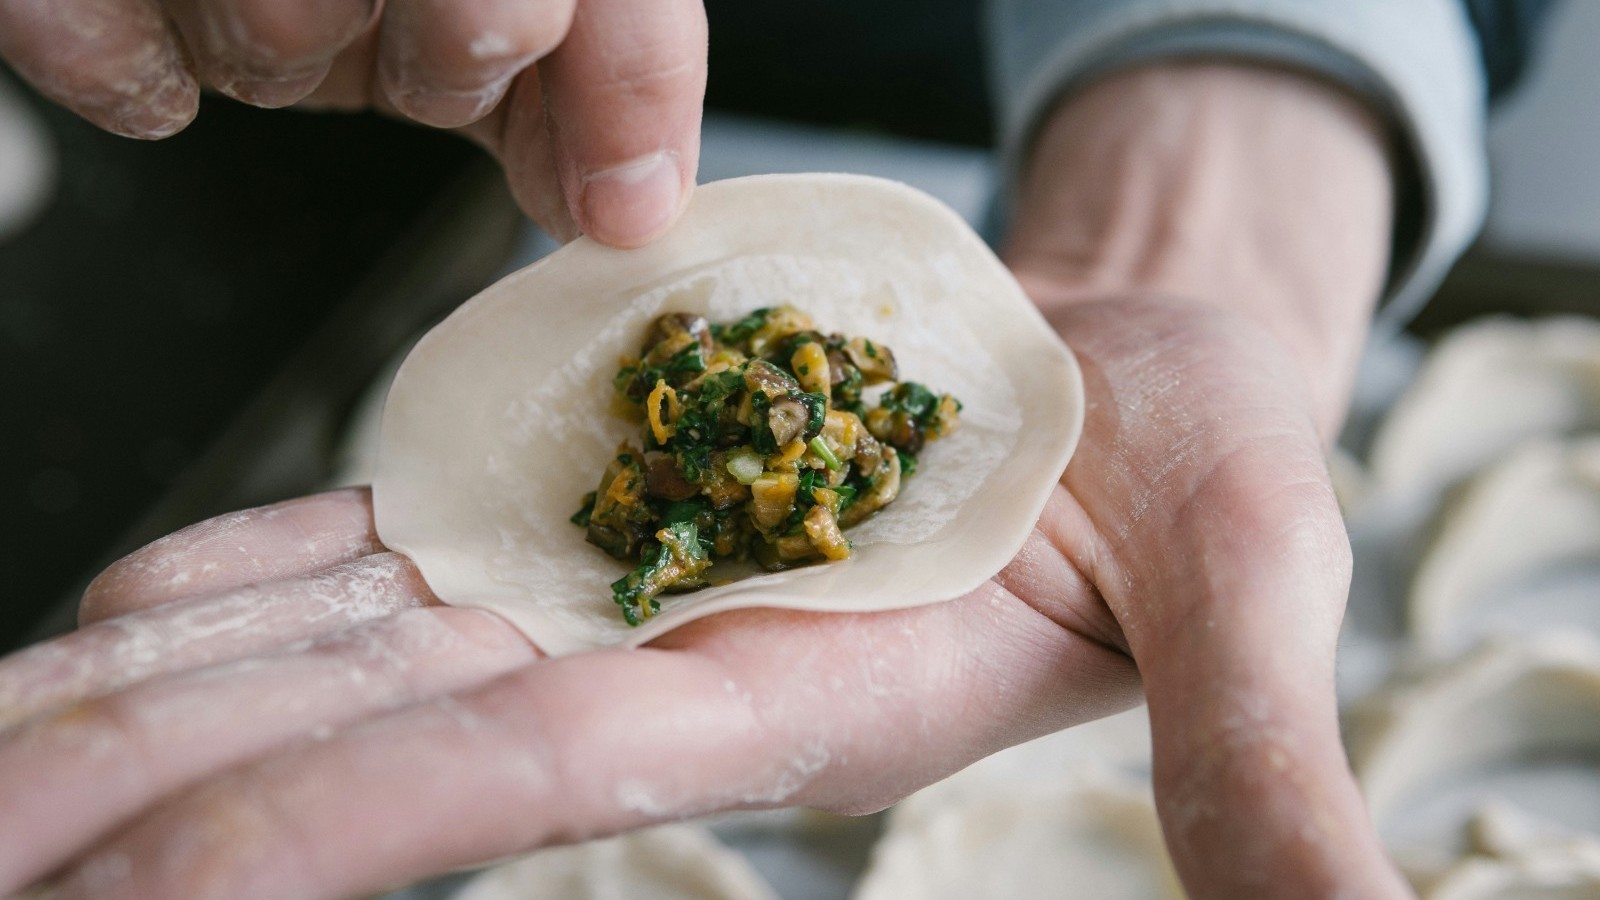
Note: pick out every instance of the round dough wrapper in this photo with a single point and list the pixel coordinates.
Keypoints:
(1534, 511)
(1116, 745)
(1085, 835)
(1507, 832)
(499, 419)
(1559, 875)
(1510, 701)
(669, 862)
(1484, 389)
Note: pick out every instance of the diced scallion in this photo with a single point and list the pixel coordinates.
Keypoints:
(745, 465)
(820, 448)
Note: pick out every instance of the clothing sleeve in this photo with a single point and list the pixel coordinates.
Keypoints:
(1506, 31)
(1417, 63)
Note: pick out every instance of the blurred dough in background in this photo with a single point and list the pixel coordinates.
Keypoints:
(668, 862)
(1083, 834)
(1476, 527)
(27, 163)
(1070, 814)
(1486, 387)
(1529, 518)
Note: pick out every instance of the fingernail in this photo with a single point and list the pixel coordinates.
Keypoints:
(162, 111)
(627, 205)
(450, 109)
(274, 92)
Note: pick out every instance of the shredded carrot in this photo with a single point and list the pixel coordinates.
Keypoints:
(790, 452)
(663, 430)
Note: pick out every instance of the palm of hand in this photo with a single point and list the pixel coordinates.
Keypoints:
(313, 725)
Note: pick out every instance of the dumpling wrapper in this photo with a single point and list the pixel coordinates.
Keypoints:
(1534, 511)
(1520, 859)
(498, 422)
(668, 862)
(1509, 701)
(1116, 747)
(1485, 388)
(1082, 833)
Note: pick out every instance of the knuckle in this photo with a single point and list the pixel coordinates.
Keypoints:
(655, 81)
(97, 731)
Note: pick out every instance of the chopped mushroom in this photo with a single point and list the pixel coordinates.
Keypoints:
(664, 480)
(787, 419)
(883, 488)
(825, 535)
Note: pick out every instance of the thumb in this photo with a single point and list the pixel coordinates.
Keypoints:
(1227, 565)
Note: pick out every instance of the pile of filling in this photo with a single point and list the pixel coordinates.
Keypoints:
(758, 443)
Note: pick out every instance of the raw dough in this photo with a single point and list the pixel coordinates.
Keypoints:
(496, 423)
(1534, 511)
(1512, 701)
(1084, 835)
(1484, 389)
(1118, 743)
(1518, 858)
(669, 862)
(1537, 877)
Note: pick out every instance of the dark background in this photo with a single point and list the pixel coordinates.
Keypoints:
(158, 291)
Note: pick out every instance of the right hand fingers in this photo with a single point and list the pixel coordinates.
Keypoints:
(449, 63)
(268, 52)
(603, 136)
(114, 62)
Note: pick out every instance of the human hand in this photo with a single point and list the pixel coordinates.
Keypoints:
(592, 106)
(1209, 238)
(280, 710)
(321, 730)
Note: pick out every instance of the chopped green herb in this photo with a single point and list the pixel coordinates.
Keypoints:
(912, 399)
(678, 558)
(581, 517)
(908, 464)
(679, 512)
(820, 448)
(817, 412)
(742, 330)
(760, 428)
(688, 361)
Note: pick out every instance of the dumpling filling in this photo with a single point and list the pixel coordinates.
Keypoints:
(758, 442)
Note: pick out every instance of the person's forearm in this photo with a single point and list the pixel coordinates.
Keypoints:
(1249, 188)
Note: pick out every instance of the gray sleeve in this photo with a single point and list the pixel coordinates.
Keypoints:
(1414, 60)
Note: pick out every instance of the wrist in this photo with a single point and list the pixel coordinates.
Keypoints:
(1253, 190)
